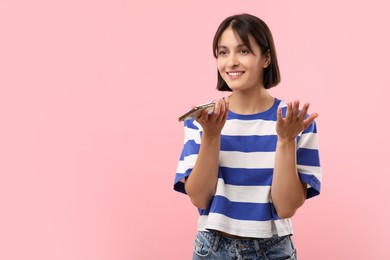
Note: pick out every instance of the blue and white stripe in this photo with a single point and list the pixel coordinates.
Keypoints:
(242, 204)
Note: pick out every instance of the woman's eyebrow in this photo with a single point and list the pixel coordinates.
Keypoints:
(238, 46)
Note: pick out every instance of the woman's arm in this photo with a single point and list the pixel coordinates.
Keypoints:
(288, 193)
(201, 183)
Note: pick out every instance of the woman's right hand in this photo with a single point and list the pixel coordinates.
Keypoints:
(212, 124)
(202, 182)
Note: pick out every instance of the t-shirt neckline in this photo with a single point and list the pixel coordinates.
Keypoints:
(261, 115)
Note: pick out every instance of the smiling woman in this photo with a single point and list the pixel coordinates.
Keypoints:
(237, 64)
(250, 164)
(249, 39)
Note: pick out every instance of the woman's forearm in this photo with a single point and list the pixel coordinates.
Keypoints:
(287, 191)
(202, 182)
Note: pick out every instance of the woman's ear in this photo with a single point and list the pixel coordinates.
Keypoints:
(267, 56)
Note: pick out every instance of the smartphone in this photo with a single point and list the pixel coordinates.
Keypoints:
(196, 111)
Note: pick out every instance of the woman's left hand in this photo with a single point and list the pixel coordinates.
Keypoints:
(294, 123)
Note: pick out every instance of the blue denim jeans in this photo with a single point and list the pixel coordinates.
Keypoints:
(211, 245)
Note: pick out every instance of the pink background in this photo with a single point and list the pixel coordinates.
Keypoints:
(89, 142)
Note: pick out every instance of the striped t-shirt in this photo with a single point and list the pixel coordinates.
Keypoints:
(242, 203)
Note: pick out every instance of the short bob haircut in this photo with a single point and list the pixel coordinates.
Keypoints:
(244, 25)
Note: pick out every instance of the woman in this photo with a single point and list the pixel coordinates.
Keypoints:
(250, 164)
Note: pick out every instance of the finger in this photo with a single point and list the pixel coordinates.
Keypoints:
(217, 108)
(279, 114)
(310, 120)
(303, 112)
(222, 111)
(197, 115)
(289, 112)
(295, 110)
(205, 116)
(226, 109)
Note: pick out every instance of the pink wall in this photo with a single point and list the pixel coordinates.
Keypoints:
(89, 142)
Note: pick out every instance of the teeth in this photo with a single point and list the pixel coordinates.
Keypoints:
(234, 73)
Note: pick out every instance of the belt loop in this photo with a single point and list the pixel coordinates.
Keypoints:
(216, 241)
(257, 247)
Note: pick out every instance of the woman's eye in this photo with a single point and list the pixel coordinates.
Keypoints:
(221, 52)
(244, 51)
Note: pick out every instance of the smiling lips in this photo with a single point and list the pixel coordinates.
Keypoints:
(235, 74)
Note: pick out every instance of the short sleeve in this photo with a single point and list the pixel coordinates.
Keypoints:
(189, 154)
(308, 160)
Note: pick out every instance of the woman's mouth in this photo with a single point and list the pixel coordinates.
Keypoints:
(235, 74)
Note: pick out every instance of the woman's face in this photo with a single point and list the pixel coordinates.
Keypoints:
(238, 66)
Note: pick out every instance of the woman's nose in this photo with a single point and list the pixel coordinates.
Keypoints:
(233, 61)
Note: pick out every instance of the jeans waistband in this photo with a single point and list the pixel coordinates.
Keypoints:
(260, 244)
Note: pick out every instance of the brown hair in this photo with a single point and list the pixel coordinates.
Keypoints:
(244, 25)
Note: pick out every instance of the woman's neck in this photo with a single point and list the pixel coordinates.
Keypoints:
(250, 102)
